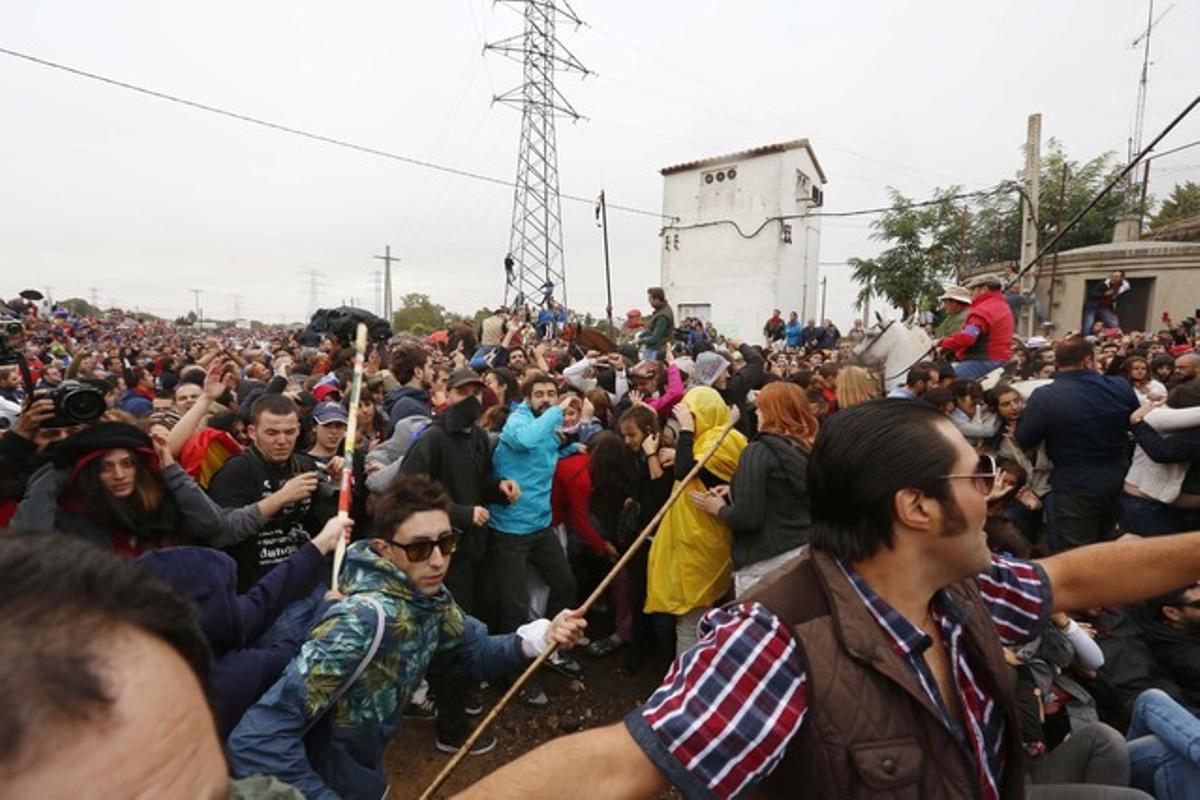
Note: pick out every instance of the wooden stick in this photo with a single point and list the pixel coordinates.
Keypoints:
(347, 488)
(676, 493)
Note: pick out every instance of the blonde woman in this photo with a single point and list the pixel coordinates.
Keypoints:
(856, 385)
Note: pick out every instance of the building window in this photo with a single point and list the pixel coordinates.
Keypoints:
(803, 186)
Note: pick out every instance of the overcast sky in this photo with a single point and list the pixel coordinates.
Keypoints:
(146, 199)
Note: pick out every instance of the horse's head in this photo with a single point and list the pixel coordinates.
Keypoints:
(871, 342)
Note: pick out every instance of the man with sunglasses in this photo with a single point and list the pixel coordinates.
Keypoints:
(456, 452)
(323, 726)
(873, 665)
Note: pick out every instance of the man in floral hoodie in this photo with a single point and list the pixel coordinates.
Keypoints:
(323, 726)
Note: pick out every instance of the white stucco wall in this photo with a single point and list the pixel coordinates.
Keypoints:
(742, 278)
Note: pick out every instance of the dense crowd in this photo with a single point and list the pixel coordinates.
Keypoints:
(500, 470)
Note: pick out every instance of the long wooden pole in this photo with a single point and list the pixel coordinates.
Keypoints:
(676, 493)
(347, 488)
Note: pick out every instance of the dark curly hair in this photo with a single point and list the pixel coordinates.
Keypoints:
(408, 495)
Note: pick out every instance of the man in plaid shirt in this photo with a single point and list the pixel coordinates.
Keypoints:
(898, 501)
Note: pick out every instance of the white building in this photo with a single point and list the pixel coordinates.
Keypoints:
(738, 243)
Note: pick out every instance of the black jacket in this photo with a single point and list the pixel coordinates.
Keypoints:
(1178, 651)
(769, 511)
(737, 390)
(462, 462)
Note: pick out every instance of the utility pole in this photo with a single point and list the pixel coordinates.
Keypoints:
(603, 209)
(824, 288)
(536, 238)
(1029, 211)
(313, 277)
(237, 307)
(199, 310)
(387, 260)
(1058, 224)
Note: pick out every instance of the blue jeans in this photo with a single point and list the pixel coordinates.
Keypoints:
(1105, 315)
(1164, 747)
(1150, 517)
(975, 369)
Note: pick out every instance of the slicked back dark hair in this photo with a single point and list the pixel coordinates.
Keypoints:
(862, 456)
(63, 599)
(1072, 352)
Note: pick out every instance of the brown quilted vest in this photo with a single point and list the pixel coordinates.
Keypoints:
(870, 730)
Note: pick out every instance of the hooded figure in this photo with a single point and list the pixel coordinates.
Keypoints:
(243, 667)
(109, 484)
(689, 566)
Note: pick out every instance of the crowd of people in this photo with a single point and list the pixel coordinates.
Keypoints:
(990, 562)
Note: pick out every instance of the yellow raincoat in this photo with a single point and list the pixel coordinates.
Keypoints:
(690, 564)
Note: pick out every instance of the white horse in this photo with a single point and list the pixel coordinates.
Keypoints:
(894, 346)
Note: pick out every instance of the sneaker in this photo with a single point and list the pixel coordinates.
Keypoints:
(564, 665)
(533, 696)
(422, 710)
(473, 706)
(484, 744)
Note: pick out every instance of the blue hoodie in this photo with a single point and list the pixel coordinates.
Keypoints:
(342, 756)
(528, 452)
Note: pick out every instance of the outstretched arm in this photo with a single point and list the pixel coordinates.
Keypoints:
(1122, 572)
(607, 761)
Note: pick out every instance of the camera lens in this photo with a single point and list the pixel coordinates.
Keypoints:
(83, 405)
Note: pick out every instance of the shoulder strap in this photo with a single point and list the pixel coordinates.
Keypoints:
(358, 671)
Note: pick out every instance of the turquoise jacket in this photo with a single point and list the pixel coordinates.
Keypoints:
(341, 755)
(527, 453)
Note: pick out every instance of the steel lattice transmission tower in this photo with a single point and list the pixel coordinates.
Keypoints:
(537, 270)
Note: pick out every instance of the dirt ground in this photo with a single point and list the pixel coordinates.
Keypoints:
(602, 696)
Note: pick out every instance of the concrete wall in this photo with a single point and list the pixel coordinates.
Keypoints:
(742, 277)
(1166, 275)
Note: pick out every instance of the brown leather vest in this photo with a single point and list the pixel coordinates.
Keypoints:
(870, 730)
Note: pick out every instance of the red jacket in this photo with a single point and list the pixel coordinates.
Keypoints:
(987, 332)
(569, 496)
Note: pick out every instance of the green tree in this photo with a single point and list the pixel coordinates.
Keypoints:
(995, 230)
(923, 244)
(417, 310)
(1183, 202)
(81, 307)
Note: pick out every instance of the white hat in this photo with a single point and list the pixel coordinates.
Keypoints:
(956, 293)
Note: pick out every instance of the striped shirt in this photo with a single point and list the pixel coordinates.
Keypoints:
(728, 708)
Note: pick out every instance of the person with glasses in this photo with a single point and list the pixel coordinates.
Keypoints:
(873, 665)
(323, 726)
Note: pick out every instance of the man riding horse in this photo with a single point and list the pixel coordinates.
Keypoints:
(985, 341)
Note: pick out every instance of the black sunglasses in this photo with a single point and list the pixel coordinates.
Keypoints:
(984, 475)
(447, 543)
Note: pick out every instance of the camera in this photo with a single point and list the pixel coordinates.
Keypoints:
(75, 403)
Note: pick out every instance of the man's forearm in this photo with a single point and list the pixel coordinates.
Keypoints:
(272, 504)
(607, 761)
(1122, 572)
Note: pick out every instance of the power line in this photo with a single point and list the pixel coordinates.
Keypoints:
(318, 137)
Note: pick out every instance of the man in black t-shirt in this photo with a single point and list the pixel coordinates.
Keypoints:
(282, 482)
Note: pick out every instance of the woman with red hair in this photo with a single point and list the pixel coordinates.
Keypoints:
(766, 505)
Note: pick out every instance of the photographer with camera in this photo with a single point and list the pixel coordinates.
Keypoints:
(281, 481)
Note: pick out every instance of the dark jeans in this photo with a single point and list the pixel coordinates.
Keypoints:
(449, 687)
(1091, 762)
(1078, 519)
(510, 556)
(463, 575)
(1150, 517)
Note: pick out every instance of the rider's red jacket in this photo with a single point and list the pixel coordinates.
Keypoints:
(987, 332)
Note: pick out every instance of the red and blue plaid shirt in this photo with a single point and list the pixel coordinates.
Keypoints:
(729, 706)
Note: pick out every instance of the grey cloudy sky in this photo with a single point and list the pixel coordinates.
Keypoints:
(145, 199)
